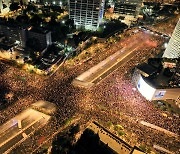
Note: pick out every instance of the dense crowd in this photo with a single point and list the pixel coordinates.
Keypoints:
(113, 99)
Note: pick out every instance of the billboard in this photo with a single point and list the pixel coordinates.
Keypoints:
(160, 94)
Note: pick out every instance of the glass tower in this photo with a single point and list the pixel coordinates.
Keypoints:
(173, 47)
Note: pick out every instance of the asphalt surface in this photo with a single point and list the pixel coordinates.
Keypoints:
(11, 135)
(107, 66)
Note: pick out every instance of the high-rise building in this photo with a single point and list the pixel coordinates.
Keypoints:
(25, 34)
(173, 47)
(127, 7)
(0, 6)
(13, 33)
(86, 14)
(127, 10)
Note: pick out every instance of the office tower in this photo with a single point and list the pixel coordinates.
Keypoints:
(0, 6)
(128, 7)
(173, 47)
(86, 14)
(13, 33)
(42, 37)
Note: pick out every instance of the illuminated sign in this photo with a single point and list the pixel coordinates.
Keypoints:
(160, 94)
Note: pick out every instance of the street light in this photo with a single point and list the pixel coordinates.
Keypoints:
(54, 2)
(165, 45)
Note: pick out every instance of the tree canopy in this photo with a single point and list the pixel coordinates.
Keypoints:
(14, 6)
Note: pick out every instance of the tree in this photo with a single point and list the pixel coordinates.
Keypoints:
(36, 20)
(4, 6)
(31, 8)
(14, 6)
(21, 2)
(22, 18)
(74, 130)
(70, 23)
(57, 9)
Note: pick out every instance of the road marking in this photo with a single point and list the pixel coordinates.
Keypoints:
(19, 132)
(87, 76)
(162, 149)
(24, 138)
(159, 128)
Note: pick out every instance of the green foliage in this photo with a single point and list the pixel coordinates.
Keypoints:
(14, 6)
(163, 108)
(31, 71)
(116, 128)
(142, 147)
(21, 78)
(68, 121)
(109, 123)
(148, 149)
(75, 129)
(121, 133)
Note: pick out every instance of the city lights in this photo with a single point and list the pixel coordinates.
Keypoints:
(104, 68)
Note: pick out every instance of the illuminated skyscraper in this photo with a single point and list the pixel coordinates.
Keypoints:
(0, 6)
(86, 13)
(173, 47)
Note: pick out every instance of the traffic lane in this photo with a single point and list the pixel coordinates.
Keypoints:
(17, 139)
(13, 131)
(112, 63)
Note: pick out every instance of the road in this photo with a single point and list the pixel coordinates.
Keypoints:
(10, 133)
(105, 67)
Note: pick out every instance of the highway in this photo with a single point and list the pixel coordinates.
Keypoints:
(11, 134)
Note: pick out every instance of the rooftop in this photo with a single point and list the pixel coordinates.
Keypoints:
(38, 30)
(146, 69)
(161, 77)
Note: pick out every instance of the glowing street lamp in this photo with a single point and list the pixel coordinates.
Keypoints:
(165, 45)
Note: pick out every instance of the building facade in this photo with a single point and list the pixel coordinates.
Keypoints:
(43, 37)
(14, 33)
(86, 14)
(151, 91)
(128, 10)
(173, 47)
(21, 35)
(128, 7)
